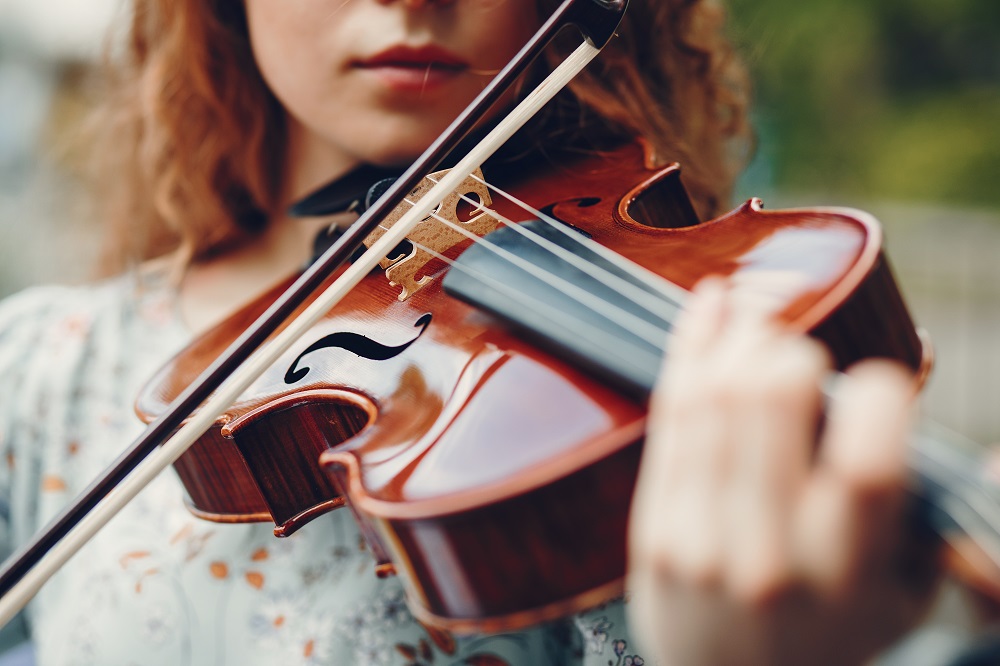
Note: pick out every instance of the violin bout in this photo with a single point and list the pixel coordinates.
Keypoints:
(488, 466)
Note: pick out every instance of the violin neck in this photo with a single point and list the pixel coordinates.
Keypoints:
(621, 339)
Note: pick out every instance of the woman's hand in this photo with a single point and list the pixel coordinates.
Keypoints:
(751, 542)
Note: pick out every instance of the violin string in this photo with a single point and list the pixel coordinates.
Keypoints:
(648, 331)
(967, 520)
(610, 343)
(673, 293)
(638, 296)
(651, 303)
(946, 467)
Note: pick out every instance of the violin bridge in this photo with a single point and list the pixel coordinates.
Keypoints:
(438, 232)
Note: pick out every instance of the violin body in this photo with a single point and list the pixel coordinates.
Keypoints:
(491, 474)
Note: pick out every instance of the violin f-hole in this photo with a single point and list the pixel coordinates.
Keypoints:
(661, 202)
(357, 344)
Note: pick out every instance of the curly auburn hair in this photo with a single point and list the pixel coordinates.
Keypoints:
(191, 131)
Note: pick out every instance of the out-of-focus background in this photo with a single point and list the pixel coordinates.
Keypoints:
(894, 107)
(46, 49)
(890, 106)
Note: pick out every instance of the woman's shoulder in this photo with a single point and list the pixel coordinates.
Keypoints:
(73, 353)
(39, 306)
(28, 307)
(51, 334)
(55, 311)
(31, 320)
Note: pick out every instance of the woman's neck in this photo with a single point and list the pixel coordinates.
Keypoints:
(215, 287)
(310, 162)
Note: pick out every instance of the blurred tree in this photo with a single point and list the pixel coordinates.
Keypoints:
(898, 98)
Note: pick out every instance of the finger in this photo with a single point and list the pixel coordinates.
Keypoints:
(773, 460)
(700, 493)
(702, 319)
(679, 382)
(869, 421)
(851, 513)
(674, 512)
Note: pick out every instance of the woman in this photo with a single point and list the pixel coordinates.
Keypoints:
(221, 115)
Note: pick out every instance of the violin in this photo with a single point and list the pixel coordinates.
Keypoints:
(479, 401)
(371, 409)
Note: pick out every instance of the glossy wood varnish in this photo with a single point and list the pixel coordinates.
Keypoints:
(493, 477)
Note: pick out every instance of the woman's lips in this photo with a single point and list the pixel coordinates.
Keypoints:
(410, 69)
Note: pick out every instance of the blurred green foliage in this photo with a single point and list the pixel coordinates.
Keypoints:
(888, 99)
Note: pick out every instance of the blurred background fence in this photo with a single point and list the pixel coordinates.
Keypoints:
(890, 106)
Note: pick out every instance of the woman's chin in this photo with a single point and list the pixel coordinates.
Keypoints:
(399, 151)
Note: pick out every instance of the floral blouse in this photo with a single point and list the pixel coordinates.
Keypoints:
(159, 586)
